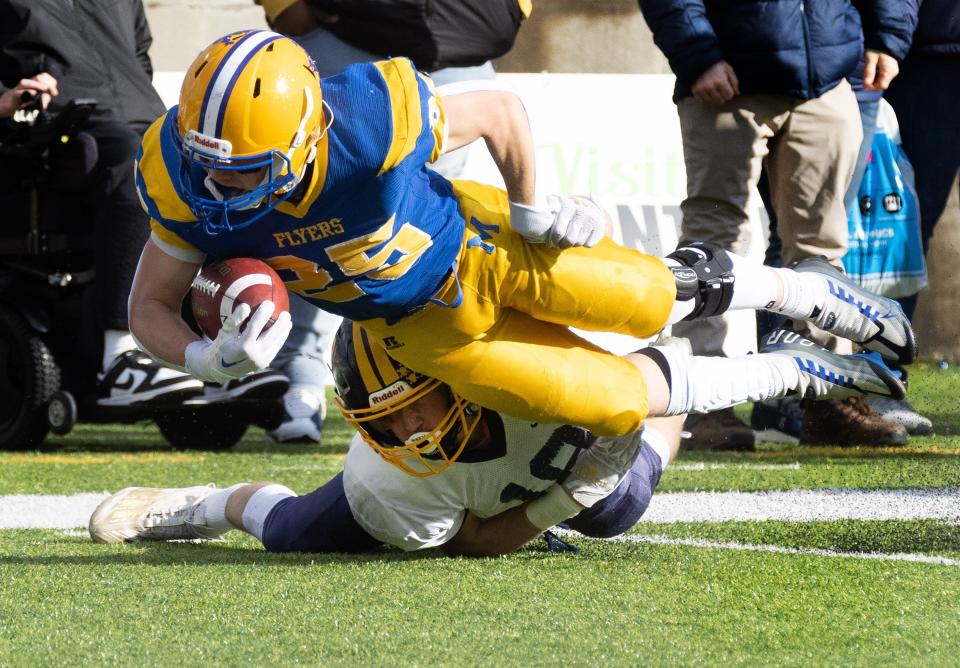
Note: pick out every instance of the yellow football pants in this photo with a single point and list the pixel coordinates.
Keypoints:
(507, 346)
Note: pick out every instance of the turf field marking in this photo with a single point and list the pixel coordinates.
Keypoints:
(41, 511)
(48, 511)
(705, 466)
(805, 505)
(777, 549)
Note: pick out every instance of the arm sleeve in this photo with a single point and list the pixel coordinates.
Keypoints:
(888, 25)
(684, 34)
(173, 245)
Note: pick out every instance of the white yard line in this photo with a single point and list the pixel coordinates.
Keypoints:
(777, 549)
(805, 505)
(41, 511)
(47, 511)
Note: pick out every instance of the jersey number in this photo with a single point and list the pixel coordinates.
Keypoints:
(541, 466)
(398, 252)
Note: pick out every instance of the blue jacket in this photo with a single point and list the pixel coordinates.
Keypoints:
(801, 48)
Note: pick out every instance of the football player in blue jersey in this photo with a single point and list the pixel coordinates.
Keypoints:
(327, 181)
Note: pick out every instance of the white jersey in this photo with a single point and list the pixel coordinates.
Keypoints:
(412, 513)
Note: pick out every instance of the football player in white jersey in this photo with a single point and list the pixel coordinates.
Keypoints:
(429, 469)
(425, 469)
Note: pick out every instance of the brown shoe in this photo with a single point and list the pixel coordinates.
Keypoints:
(721, 430)
(848, 422)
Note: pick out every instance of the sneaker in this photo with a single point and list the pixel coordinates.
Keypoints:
(848, 422)
(826, 374)
(848, 311)
(719, 430)
(134, 378)
(149, 513)
(304, 410)
(265, 385)
(777, 420)
(901, 412)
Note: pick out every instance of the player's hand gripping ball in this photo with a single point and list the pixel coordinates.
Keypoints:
(222, 286)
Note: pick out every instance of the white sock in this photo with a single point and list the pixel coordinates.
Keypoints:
(754, 285)
(115, 343)
(215, 508)
(705, 384)
(260, 505)
(802, 292)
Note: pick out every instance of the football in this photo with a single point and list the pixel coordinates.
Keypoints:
(222, 286)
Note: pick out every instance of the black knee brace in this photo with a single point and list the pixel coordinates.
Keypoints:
(706, 276)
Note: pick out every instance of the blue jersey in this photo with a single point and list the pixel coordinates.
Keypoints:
(375, 232)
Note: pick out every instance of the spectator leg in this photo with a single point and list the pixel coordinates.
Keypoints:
(810, 167)
(723, 148)
(122, 226)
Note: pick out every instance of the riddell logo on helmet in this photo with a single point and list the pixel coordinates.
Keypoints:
(221, 147)
(390, 392)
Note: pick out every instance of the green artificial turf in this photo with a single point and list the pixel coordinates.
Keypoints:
(684, 593)
(69, 601)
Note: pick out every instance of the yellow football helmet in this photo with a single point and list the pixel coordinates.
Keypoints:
(370, 385)
(251, 100)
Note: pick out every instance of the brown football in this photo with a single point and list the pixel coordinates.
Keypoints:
(222, 286)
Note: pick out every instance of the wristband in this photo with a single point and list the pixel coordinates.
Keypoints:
(552, 508)
(531, 222)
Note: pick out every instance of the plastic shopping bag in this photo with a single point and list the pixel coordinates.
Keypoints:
(885, 253)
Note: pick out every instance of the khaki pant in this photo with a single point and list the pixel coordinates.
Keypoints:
(808, 148)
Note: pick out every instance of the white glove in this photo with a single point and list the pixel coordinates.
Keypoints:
(565, 222)
(601, 468)
(233, 353)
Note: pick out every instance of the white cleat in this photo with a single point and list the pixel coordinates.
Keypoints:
(827, 375)
(847, 310)
(150, 513)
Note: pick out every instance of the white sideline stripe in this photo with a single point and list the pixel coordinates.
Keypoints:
(777, 549)
(47, 511)
(805, 505)
(43, 511)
